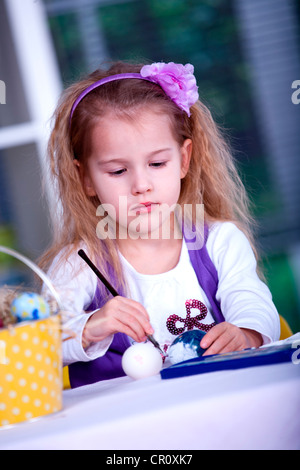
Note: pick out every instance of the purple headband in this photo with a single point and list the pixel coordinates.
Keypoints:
(177, 81)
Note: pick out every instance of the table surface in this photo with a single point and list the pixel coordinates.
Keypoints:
(253, 408)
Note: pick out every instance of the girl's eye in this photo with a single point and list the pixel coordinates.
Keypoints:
(158, 164)
(118, 172)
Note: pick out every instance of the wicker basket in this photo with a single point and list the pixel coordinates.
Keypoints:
(31, 362)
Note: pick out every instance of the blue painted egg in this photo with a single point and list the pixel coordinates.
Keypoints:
(186, 346)
(30, 306)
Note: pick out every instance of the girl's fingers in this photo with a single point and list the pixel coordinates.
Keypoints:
(119, 315)
(140, 327)
(135, 307)
(212, 335)
(220, 346)
(134, 332)
(130, 322)
(223, 338)
(134, 315)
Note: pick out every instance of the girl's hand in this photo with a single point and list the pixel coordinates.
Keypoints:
(118, 315)
(225, 337)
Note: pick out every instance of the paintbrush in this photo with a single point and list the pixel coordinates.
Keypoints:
(112, 290)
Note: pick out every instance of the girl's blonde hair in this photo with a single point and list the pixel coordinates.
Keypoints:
(212, 178)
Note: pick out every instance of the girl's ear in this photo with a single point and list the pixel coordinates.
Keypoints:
(85, 180)
(186, 153)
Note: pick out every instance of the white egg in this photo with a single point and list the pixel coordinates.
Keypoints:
(141, 360)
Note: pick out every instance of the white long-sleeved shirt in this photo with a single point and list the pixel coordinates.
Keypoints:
(245, 300)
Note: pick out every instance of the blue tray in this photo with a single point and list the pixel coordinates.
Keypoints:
(235, 360)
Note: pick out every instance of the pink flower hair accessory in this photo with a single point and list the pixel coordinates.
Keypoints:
(177, 81)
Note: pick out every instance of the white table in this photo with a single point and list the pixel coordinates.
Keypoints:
(255, 408)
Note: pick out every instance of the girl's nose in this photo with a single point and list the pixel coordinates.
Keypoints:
(140, 184)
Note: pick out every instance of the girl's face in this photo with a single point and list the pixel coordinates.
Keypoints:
(136, 168)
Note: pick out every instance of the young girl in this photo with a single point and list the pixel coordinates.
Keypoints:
(132, 147)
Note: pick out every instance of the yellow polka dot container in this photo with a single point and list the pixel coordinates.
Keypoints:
(30, 370)
(31, 377)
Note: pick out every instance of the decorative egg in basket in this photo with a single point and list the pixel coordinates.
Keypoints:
(30, 306)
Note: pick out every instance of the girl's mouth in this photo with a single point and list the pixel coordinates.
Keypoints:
(144, 208)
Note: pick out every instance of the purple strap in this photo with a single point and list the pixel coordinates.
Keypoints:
(207, 276)
(111, 78)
